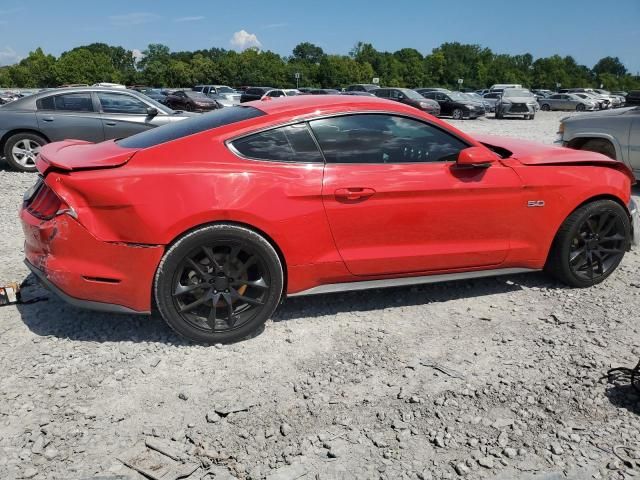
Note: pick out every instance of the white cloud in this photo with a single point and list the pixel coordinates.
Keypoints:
(242, 40)
(130, 19)
(8, 56)
(190, 19)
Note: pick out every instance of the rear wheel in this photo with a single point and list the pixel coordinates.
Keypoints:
(21, 150)
(590, 244)
(545, 107)
(219, 284)
(580, 107)
(600, 146)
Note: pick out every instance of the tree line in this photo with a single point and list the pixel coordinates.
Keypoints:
(160, 67)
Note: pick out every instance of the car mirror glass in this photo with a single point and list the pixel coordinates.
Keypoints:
(152, 111)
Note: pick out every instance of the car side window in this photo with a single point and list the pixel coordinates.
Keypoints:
(381, 138)
(68, 102)
(382, 93)
(292, 143)
(120, 103)
(441, 97)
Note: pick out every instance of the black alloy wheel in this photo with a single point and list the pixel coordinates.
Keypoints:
(590, 243)
(545, 107)
(219, 284)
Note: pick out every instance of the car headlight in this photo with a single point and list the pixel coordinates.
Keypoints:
(425, 105)
(470, 107)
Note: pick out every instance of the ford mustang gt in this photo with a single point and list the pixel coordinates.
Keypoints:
(214, 220)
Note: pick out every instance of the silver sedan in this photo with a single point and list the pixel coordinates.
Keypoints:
(566, 101)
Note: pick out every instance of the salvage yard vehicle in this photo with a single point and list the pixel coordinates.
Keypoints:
(409, 97)
(214, 220)
(566, 101)
(254, 93)
(516, 102)
(87, 113)
(455, 104)
(222, 94)
(191, 101)
(614, 133)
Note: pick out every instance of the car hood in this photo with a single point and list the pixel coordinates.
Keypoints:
(600, 113)
(533, 153)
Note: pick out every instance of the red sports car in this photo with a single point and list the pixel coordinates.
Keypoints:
(217, 218)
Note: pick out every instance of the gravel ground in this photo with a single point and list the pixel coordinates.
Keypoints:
(492, 378)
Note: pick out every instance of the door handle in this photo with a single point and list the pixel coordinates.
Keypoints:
(354, 193)
(110, 124)
(48, 119)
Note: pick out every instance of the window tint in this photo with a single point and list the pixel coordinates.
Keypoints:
(374, 138)
(190, 126)
(285, 144)
(120, 103)
(382, 93)
(70, 102)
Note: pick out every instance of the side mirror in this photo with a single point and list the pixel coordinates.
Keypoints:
(478, 157)
(152, 111)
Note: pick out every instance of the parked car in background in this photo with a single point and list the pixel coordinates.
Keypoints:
(492, 98)
(311, 195)
(191, 101)
(223, 94)
(599, 102)
(409, 97)
(633, 97)
(516, 102)
(616, 100)
(328, 91)
(92, 114)
(474, 97)
(362, 87)
(499, 87)
(604, 100)
(282, 92)
(614, 133)
(110, 85)
(254, 93)
(455, 105)
(423, 90)
(566, 101)
(156, 94)
(360, 94)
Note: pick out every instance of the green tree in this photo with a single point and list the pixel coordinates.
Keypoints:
(308, 52)
(611, 65)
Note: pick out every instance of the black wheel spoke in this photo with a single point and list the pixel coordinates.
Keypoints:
(195, 304)
(211, 319)
(198, 269)
(260, 283)
(574, 255)
(182, 289)
(251, 261)
(209, 253)
(233, 254)
(251, 301)
(231, 319)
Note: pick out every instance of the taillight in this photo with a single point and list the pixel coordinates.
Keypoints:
(44, 203)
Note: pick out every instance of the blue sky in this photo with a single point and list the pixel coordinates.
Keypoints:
(585, 29)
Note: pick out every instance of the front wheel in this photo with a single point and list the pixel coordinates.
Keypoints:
(457, 114)
(545, 107)
(21, 149)
(580, 107)
(219, 284)
(590, 244)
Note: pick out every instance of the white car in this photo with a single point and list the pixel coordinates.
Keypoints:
(110, 85)
(282, 92)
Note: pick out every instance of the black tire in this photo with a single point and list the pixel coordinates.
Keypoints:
(23, 162)
(532, 116)
(590, 244)
(188, 107)
(545, 107)
(580, 107)
(498, 115)
(240, 290)
(457, 114)
(597, 145)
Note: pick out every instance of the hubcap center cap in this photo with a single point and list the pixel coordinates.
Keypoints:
(220, 282)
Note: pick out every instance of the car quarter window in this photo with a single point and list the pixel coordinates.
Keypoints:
(292, 143)
(69, 102)
(381, 138)
(121, 103)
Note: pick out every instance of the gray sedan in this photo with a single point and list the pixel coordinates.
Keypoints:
(566, 101)
(87, 113)
(614, 133)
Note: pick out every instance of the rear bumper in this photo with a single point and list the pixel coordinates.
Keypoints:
(87, 272)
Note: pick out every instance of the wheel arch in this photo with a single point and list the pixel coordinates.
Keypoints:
(577, 141)
(10, 133)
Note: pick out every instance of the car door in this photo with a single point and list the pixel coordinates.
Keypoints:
(634, 141)
(446, 105)
(397, 202)
(69, 115)
(124, 115)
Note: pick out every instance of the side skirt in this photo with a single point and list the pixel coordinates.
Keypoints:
(399, 282)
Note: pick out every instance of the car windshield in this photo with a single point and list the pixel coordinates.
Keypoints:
(195, 94)
(516, 92)
(473, 96)
(291, 93)
(458, 97)
(412, 94)
(225, 90)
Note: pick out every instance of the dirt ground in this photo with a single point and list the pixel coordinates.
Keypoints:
(490, 378)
